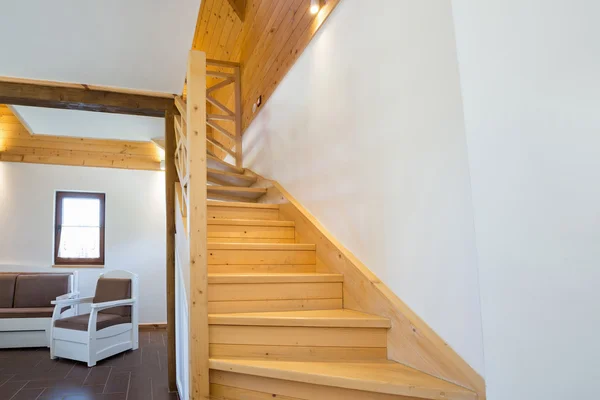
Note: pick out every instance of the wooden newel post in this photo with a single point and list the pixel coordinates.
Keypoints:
(198, 307)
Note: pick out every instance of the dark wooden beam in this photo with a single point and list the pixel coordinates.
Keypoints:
(239, 6)
(170, 179)
(82, 98)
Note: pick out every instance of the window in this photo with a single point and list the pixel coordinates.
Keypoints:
(79, 228)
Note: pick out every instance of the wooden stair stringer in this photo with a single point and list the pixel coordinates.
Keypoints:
(411, 341)
(384, 377)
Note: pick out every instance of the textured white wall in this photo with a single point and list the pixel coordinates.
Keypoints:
(135, 224)
(530, 75)
(367, 132)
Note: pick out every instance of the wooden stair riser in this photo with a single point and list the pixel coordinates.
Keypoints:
(261, 257)
(222, 307)
(261, 268)
(298, 353)
(304, 336)
(274, 291)
(232, 193)
(229, 179)
(251, 233)
(233, 386)
(239, 298)
(225, 212)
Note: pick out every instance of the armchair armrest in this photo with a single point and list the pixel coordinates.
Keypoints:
(71, 302)
(111, 304)
(72, 295)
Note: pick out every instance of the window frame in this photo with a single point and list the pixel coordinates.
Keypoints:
(58, 212)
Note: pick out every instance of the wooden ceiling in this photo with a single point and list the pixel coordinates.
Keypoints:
(272, 36)
(17, 144)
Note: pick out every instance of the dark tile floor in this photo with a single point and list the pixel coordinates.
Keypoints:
(30, 374)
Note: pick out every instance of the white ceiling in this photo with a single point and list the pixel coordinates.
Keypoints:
(133, 44)
(48, 121)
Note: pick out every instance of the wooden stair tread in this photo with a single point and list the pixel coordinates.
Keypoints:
(311, 318)
(250, 222)
(234, 204)
(379, 377)
(229, 178)
(234, 192)
(217, 163)
(306, 277)
(261, 246)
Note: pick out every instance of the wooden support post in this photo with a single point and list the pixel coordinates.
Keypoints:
(198, 307)
(238, 118)
(170, 179)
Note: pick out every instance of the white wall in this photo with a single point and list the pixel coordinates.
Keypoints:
(135, 224)
(531, 85)
(367, 132)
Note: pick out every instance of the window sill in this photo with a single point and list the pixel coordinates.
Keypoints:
(77, 266)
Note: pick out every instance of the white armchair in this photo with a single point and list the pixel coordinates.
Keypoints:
(110, 328)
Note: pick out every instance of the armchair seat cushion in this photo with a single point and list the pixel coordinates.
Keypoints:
(80, 322)
(36, 312)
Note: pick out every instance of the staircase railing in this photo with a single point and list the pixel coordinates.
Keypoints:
(224, 123)
(188, 144)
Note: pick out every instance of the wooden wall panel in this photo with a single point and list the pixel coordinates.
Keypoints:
(271, 38)
(17, 144)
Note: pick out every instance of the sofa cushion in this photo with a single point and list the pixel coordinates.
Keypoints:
(7, 290)
(37, 312)
(80, 322)
(111, 289)
(38, 290)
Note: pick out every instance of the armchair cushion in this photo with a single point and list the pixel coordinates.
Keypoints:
(36, 312)
(80, 322)
(7, 289)
(111, 289)
(38, 290)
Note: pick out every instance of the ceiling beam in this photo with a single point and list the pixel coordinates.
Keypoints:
(83, 98)
(239, 6)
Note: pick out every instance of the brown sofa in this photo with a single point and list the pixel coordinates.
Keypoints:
(25, 306)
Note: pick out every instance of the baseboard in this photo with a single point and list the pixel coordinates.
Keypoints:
(152, 326)
(410, 340)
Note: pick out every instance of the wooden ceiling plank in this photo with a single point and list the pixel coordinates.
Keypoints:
(273, 64)
(202, 33)
(71, 98)
(272, 44)
(221, 21)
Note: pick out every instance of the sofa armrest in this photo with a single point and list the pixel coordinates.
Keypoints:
(71, 302)
(111, 304)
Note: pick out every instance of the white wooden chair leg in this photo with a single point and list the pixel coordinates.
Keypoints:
(92, 338)
(52, 356)
(135, 332)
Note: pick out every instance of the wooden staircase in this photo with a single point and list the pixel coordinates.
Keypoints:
(277, 327)
(258, 314)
